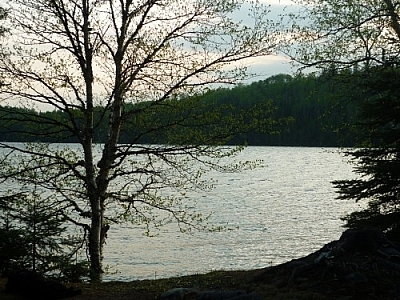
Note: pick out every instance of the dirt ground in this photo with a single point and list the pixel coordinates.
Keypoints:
(152, 289)
(270, 283)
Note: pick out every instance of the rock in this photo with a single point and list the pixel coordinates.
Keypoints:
(179, 294)
(304, 271)
(33, 286)
(356, 277)
(361, 240)
(189, 294)
(220, 295)
(323, 256)
(362, 264)
(390, 253)
(252, 296)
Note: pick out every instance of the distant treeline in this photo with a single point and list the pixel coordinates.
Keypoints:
(317, 111)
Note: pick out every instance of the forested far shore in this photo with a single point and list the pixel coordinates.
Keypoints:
(137, 91)
(300, 110)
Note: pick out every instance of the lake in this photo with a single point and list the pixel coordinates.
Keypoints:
(283, 210)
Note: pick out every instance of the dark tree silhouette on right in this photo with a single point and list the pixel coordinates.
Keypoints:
(377, 161)
(361, 38)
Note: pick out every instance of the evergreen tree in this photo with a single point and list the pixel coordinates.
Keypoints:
(363, 37)
(378, 161)
(13, 246)
(34, 237)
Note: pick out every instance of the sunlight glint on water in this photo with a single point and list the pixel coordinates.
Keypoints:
(281, 211)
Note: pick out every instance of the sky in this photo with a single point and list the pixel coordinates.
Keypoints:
(265, 67)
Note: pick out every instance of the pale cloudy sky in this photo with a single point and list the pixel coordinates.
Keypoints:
(271, 65)
(267, 66)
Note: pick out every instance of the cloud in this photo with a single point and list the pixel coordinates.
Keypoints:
(267, 66)
(271, 65)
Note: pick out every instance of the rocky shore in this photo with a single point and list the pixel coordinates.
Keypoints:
(362, 264)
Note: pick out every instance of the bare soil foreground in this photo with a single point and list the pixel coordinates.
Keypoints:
(363, 264)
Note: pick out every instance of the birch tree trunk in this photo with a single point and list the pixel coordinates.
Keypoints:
(118, 62)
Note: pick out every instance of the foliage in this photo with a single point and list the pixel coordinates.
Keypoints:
(34, 237)
(282, 110)
(345, 34)
(13, 250)
(363, 38)
(91, 62)
(378, 164)
(3, 30)
(3, 16)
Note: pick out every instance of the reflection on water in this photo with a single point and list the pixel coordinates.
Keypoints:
(282, 211)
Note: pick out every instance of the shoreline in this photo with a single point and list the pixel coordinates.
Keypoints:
(362, 264)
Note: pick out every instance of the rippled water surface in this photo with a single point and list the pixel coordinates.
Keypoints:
(284, 210)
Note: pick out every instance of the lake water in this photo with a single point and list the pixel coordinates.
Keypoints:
(283, 210)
